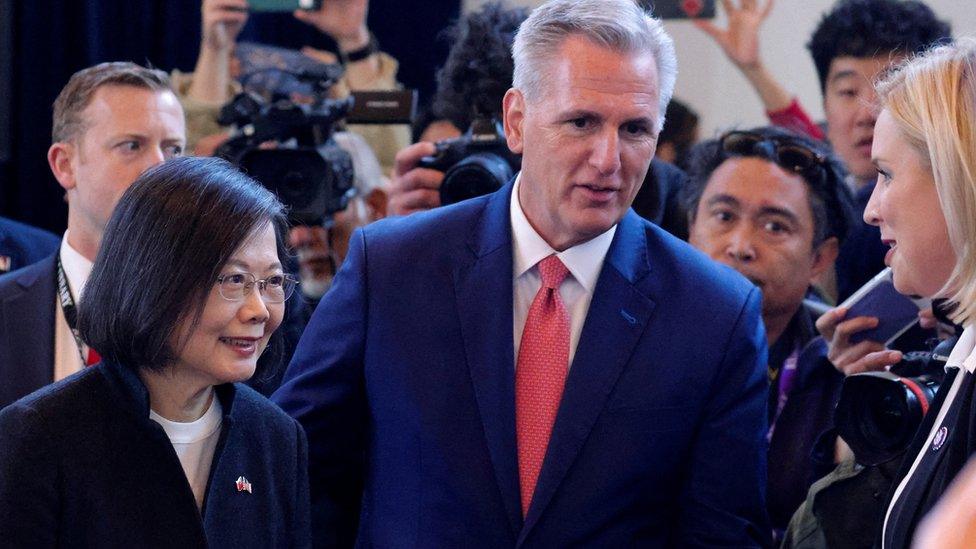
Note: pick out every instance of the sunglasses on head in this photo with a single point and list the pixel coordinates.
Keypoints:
(796, 158)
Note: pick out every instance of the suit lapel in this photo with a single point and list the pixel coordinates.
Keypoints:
(616, 319)
(27, 359)
(483, 290)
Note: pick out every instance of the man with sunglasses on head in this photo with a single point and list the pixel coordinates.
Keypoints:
(853, 44)
(773, 205)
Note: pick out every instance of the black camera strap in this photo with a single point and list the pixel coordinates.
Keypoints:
(70, 310)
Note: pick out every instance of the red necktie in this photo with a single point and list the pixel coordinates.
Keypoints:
(93, 357)
(540, 374)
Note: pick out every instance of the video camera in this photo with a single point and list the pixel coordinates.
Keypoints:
(283, 127)
(303, 166)
(479, 162)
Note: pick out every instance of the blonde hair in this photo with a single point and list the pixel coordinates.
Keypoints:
(932, 99)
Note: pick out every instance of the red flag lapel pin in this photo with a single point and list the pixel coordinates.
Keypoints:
(243, 485)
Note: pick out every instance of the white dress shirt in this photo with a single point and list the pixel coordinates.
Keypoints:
(584, 262)
(67, 358)
(963, 356)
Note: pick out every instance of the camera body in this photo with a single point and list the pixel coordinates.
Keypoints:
(287, 146)
(477, 163)
(879, 413)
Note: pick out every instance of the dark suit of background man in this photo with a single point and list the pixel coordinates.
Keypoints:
(111, 122)
(540, 367)
(21, 245)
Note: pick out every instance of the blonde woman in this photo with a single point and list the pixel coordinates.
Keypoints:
(925, 205)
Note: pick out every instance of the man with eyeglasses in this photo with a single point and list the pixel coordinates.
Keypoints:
(773, 206)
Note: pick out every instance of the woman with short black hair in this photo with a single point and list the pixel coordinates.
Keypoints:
(159, 445)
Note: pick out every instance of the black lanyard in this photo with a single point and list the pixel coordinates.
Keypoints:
(70, 310)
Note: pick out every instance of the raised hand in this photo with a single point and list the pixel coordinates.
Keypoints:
(414, 189)
(740, 40)
(343, 20)
(222, 21)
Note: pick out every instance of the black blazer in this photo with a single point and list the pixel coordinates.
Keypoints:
(82, 465)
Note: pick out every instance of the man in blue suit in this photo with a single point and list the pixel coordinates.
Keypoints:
(21, 245)
(540, 367)
(111, 122)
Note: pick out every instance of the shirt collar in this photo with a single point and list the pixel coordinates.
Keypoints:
(963, 354)
(76, 267)
(583, 261)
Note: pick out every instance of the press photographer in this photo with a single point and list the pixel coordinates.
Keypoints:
(470, 87)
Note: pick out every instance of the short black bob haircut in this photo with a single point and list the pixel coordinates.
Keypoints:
(162, 252)
(831, 201)
(871, 28)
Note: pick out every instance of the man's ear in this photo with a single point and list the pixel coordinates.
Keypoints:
(513, 108)
(59, 158)
(824, 257)
(377, 200)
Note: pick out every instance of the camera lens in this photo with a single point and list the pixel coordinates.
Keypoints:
(476, 175)
(885, 412)
(310, 185)
(878, 414)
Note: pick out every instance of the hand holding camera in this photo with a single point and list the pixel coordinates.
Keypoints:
(343, 20)
(414, 188)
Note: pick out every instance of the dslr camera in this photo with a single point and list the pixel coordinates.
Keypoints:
(287, 146)
(479, 162)
(879, 413)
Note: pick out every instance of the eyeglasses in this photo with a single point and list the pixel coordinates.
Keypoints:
(274, 289)
(789, 156)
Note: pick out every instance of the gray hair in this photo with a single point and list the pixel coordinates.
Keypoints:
(619, 25)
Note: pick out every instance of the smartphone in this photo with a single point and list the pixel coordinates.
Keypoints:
(681, 9)
(283, 5)
(878, 298)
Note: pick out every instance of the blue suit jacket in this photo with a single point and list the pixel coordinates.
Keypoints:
(27, 301)
(21, 245)
(404, 382)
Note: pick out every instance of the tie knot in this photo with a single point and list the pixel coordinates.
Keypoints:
(553, 272)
